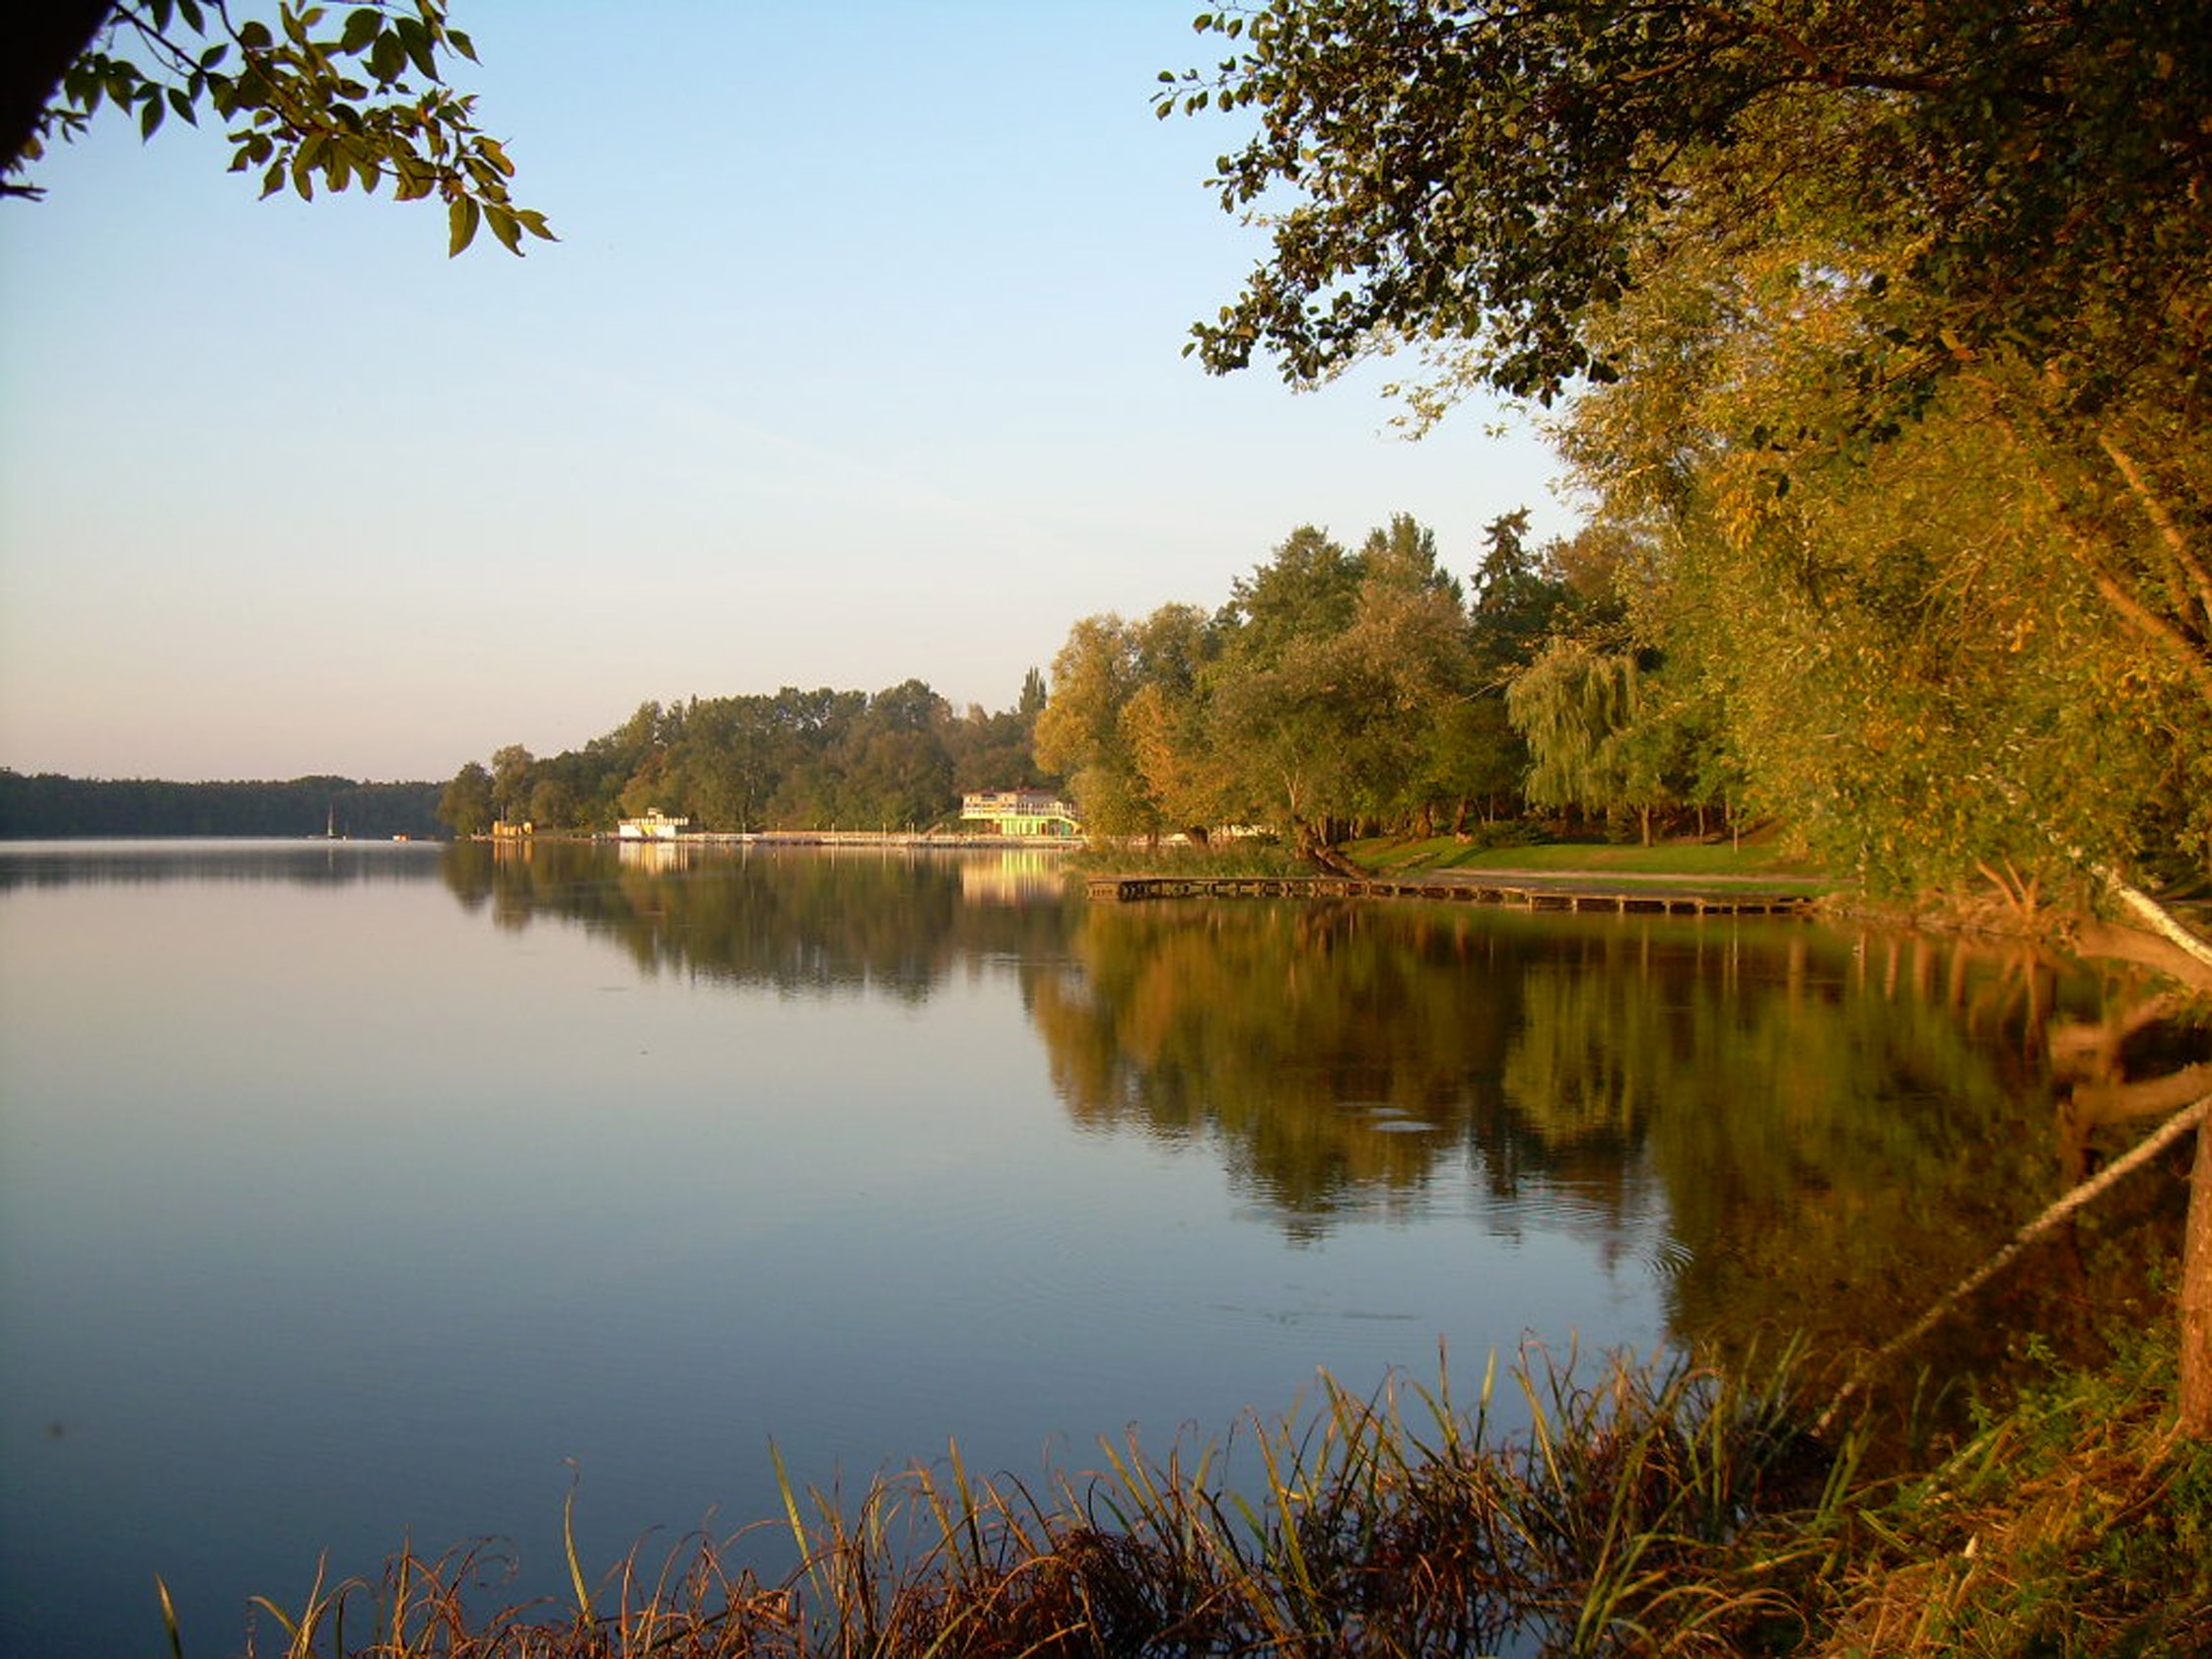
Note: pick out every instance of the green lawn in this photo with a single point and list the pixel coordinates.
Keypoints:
(1680, 857)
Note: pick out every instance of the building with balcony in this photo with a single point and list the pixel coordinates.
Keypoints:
(1020, 812)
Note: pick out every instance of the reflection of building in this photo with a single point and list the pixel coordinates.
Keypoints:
(1014, 878)
(1020, 812)
(655, 825)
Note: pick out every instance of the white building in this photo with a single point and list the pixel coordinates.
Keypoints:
(1020, 812)
(655, 825)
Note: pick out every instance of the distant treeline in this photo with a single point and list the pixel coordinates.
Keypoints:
(898, 759)
(47, 805)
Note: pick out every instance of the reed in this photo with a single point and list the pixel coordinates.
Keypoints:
(1647, 1509)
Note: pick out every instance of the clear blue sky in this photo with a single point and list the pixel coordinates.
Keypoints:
(858, 362)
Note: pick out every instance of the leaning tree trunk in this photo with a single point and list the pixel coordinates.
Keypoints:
(2158, 939)
(2194, 1406)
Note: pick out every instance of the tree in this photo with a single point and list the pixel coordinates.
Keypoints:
(360, 97)
(893, 768)
(513, 775)
(1033, 697)
(1777, 244)
(1331, 673)
(1890, 331)
(1307, 590)
(466, 806)
(1081, 732)
(1516, 603)
(1450, 171)
(1169, 723)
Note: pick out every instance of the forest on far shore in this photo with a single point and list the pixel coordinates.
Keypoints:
(47, 805)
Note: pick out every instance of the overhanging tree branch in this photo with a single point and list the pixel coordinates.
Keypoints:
(43, 40)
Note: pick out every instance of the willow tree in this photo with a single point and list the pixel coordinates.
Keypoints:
(1597, 738)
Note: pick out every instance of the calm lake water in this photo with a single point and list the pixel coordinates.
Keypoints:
(358, 1193)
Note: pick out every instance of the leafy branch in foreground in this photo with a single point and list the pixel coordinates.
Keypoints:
(319, 97)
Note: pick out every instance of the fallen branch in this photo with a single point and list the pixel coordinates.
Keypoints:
(2157, 1141)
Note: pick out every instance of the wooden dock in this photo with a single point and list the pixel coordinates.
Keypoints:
(1129, 889)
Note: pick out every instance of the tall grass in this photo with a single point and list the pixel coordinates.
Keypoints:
(2072, 1524)
(1649, 1510)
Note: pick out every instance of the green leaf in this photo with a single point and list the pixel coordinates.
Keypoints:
(416, 39)
(460, 220)
(150, 115)
(272, 181)
(181, 102)
(362, 26)
(254, 37)
(504, 227)
(387, 58)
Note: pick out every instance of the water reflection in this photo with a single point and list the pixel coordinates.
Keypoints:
(1807, 1129)
(349, 1209)
(1830, 1126)
(127, 862)
(802, 920)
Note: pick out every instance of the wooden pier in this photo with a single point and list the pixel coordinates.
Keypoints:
(1129, 889)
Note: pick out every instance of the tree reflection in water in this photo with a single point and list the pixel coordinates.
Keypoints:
(1831, 1126)
(1826, 1127)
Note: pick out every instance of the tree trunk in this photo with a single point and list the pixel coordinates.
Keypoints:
(44, 39)
(2195, 1403)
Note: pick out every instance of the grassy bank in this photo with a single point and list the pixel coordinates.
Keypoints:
(1691, 860)
(1664, 1510)
(1229, 858)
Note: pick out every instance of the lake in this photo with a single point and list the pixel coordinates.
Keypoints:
(362, 1194)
